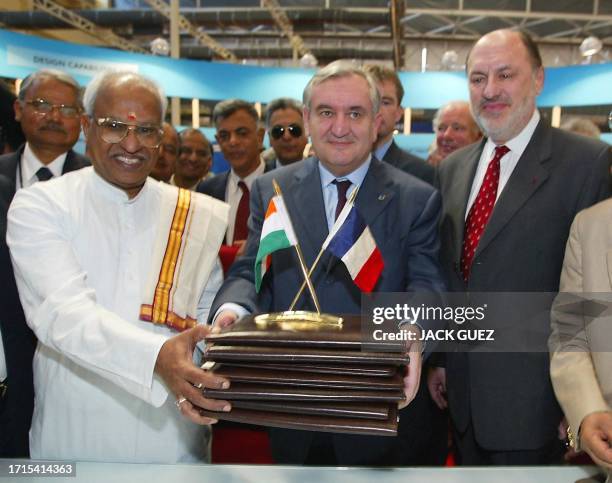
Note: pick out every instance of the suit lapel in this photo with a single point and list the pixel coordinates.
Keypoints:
(375, 192)
(528, 175)
(457, 198)
(304, 200)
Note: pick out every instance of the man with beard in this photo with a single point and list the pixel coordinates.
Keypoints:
(508, 203)
(454, 128)
(391, 93)
(49, 110)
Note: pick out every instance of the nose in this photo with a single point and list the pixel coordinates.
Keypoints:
(130, 142)
(491, 88)
(448, 132)
(339, 126)
(55, 114)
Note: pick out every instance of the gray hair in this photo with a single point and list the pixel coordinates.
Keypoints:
(578, 125)
(339, 69)
(54, 74)
(226, 108)
(282, 103)
(465, 104)
(104, 79)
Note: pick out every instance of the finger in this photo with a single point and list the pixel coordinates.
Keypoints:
(412, 379)
(196, 397)
(193, 414)
(204, 379)
(599, 448)
(225, 318)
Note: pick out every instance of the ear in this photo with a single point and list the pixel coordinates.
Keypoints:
(539, 80)
(376, 126)
(261, 132)
(85, 125)
(306, 116)
(18, 110)
(399, 113)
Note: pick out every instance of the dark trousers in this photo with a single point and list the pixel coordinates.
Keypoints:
(470, 453)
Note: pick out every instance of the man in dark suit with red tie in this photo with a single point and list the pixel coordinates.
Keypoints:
(240, 138)
(508, 203)
(49, 110)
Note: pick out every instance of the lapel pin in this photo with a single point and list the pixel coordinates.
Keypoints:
(381, 197)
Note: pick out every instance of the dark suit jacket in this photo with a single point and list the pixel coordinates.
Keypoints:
(402, 213)
(508, 396)
(19, 341)
(409, 163)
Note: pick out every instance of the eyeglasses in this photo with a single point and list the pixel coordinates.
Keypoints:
(113, 132)
(42, 106)
(294, 129)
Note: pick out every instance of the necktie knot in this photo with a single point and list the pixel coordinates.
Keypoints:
(243, 187)
(342, 187)
(501, 151)
(44, 174)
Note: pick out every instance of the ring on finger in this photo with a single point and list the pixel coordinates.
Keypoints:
(180, 401)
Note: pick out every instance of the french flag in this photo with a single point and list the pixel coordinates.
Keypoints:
(352, 242)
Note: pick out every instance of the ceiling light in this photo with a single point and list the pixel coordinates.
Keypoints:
(590, 46)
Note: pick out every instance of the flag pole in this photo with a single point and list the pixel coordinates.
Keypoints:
(351, 200)
(300, 257)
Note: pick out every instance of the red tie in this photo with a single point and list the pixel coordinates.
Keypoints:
(342, 187)
(241, 231)
(480, 212)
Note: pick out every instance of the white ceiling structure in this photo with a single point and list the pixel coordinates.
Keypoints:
(280, 32)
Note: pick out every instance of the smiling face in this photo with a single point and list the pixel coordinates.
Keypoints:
(503, 84)
(288, 148)
(341, 123)
(195, 159)
(125, 164)
(168, 154)
(456, 128)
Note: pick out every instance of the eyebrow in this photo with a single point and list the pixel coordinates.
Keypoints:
(497, 69)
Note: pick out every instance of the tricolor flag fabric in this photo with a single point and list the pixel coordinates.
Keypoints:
(277, 233)
(352, 242)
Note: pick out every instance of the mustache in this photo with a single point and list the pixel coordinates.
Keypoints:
(53, 126)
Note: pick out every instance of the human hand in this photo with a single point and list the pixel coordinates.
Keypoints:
(596, 437)
(436, 383)
(185, 380)
(414, 348)
(225, 318)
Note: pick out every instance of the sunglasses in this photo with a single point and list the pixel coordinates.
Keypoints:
(278, 131)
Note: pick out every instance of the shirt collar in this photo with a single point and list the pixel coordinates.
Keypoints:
(30, 164)
(381, 150)
(356, 177)
(115, 194)
(248, 180)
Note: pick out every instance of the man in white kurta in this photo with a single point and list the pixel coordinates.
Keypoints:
(83, 247)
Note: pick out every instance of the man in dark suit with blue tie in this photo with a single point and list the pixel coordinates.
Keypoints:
(49, 110)
(508, 203)
(341, 114)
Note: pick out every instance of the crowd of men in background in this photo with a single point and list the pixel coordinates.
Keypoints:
(494, 160)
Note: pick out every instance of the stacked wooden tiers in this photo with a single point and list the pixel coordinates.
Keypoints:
(308, 375)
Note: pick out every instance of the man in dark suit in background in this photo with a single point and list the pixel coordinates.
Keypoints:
(385, 148)
(240, 138)
(49, 110)
(341, 114)
(526, 181)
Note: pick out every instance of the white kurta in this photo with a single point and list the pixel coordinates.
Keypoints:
(81, 251)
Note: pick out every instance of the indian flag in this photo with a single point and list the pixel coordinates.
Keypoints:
(277, 233)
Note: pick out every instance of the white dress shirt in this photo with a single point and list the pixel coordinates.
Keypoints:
(233, 193)
(516, 145)
(81, 251)
(3, 372)
(30, 164)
